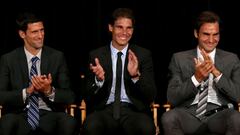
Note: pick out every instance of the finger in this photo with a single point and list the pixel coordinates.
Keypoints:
(91, 66)
(195, 61)
(205, 55)
(200, 60)
(97, 62)
(38, 78)
(132, 54)
(35, 83)
(130, 51)
(50, 77)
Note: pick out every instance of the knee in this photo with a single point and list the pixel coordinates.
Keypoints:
(147, 129)
(92, 125)
(168, 117)
(9, 119)
(68, 121)
(235, 118)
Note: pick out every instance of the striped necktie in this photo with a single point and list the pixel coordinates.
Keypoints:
(33, 110)
(203, 96)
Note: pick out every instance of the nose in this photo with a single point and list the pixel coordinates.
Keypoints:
(40, 34)
(211, 39)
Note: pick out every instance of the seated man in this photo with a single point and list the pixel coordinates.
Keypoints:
(34, 84)
(120, 83)
(203, 81)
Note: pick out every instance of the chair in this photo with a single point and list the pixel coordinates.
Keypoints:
(83, 108)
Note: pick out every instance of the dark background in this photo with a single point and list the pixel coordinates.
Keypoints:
(163, 26)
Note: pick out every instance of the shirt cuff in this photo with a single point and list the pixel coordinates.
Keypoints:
(51, 96)
(195, 82)
(217, 78)
(24, 95)
(99, 83)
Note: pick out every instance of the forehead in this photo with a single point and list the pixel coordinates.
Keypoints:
(210, 27)
(35, 25)
(123, 20)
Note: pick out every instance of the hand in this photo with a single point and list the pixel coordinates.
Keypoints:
(30, 90)
(132, 64)
(206, 57)
(203, 67)
(98, 70)
(42, 83)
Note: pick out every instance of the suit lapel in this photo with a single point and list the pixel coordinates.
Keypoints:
(192, 55)
(107, 59)
(23, 63)
(126, 74)
(44, 61)
(218, 60)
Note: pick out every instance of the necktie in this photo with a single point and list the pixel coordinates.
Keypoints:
(33, 110)
(116, 104)
(203, 96)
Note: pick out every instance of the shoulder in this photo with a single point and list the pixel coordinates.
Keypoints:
(51, 51)
(14, 53)
(139, 50)
(100, 50)
(226, 55)
(185, 54)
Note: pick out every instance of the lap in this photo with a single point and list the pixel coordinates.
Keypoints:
(188, 123)
(130, 120)
(50, 122)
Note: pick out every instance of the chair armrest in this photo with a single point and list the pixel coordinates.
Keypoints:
(167, 107)
(83, 109)
(0, 111)
(238, 107)
(154, 109)
(71, 110)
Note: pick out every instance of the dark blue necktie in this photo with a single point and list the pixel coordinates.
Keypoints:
(116, 104)
(33, 110)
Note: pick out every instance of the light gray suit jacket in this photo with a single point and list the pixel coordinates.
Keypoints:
(181, 90)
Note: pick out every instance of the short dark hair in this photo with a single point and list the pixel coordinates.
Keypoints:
(206, 17)
(24, 18)
(122, 12)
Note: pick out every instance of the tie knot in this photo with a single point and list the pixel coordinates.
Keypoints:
(34, 59)
(119, 54)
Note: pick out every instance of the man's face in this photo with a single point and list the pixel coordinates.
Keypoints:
(34, 35)
(122, 31)
(208, 36)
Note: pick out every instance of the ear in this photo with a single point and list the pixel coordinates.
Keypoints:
(195, 33)
(21, 33)
(110, 27)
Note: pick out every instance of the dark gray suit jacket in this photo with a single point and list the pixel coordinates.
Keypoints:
(181, 90)
(141, 94)
(14, 77)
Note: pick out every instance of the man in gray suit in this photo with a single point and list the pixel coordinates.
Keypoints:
(51, 84)
(189, 70)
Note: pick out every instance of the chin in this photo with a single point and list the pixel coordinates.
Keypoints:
(38, 46)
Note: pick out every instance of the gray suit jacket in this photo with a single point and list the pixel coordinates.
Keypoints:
(181, 90)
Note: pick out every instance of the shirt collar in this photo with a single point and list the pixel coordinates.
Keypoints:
(30, 56)
(211, 54)
(114, 51)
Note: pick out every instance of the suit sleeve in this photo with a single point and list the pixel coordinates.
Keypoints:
(180, 86)
(229, 83)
